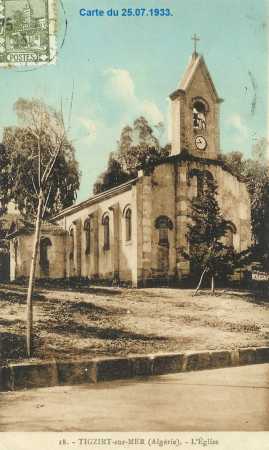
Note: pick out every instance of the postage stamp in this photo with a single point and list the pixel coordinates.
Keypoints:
(27, 32)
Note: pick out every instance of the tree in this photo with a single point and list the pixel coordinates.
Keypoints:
(260, 149)
(256, 175)
(138, 147)
(208, 253)
(43, 174)
(112, 177)
(4, 179)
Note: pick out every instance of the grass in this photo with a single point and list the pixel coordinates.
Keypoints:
(113, 321)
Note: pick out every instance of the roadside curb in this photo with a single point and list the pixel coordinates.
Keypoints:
(41, 373)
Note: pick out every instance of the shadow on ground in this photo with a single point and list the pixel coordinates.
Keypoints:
(18, 297)
(88, 307)
(89, 331)
(13, 346)
(257, 297)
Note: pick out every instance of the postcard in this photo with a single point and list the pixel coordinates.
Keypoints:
(134, 224)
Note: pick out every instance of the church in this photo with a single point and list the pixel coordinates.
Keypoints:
(135, 233)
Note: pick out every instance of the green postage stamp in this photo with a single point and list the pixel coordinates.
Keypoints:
(27, 32)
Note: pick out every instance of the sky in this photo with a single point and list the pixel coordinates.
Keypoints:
(122, 67)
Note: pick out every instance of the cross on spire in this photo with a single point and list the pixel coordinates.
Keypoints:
(195, 39)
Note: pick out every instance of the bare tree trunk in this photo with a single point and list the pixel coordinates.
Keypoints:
(212, 285)
(200, 282)
(29, 332)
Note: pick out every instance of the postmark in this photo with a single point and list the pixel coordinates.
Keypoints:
(27, 32)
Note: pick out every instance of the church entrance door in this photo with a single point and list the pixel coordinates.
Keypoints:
(163, 225)
(163, 263)
(4, 265)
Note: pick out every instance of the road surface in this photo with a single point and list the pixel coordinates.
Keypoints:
(234, 399)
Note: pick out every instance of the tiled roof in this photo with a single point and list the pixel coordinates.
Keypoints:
(28, 228)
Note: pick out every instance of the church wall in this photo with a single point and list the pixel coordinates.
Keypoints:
(128, 249)
(185, 189)
(200, 88)
(140, 236)
(21, 259)
(119, 261)
(24, 255)
(168, 192)
(163, 194)
(13, 258)
(177, 122)
(144, 208)
(235, 204)
(233, 199)
(56, 256)
(155, 194)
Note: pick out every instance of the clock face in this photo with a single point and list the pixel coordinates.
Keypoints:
(200, 142)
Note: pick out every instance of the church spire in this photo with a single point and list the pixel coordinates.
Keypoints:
(195, 110)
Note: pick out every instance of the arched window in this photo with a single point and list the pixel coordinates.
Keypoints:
(106, 232)
(45, 243)
(72, 244)
(87, 229)
(229, 235)
(128, 224)
(199, 111)
(163, 224)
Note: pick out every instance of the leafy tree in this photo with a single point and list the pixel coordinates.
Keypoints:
(5, 168)
(4, 179)
(208, 254)
(256, 174)
(137, 147)
(125, 148)
(235, 160)
(43, 173)
(113, 176)
(260, 149)
(63, 182)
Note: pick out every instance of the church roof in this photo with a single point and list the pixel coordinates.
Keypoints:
(195, 62)
(97, 198)
(24, 227)
(186, 156)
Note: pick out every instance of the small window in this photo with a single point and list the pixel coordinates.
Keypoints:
(106, 233)
(229, 238)
(87, 229)
(163, 236)
(163, 224)
(128, 224)
(45, 243)
(72, 244)
(199, 111)
(229, 235)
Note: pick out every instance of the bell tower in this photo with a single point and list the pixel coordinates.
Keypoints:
(195, 111)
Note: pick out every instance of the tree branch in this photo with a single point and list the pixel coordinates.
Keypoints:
(34, 186)
(70, 108)
(50, 166)
(46, 202)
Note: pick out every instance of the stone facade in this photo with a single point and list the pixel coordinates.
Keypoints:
(136, 233)
(196, 88)
(51, 257)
